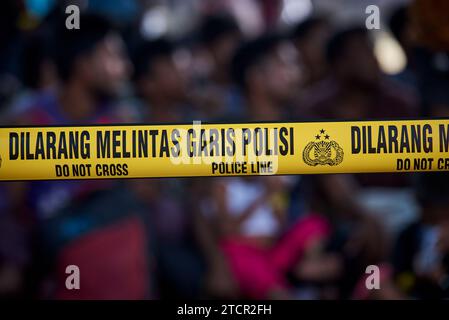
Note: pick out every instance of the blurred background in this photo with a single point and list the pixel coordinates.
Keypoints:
(162, 61)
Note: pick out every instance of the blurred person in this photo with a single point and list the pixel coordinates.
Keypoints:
(180, 235)
(356, 88)
(427, 66)
(37, 71)
(218, 280)
(179, 262)
(266, 72)
(262, 251)
(401, 27)
(91, 67)
(14, 254)
(310, 37)
(429, 25)
(10, 45)
(14, 42)
(160, 84)
(421, 255)
(220, 36)
(359, 235)
(214, 94)
(433, 82)
(248, 214)
(358, 205)
(95, 225)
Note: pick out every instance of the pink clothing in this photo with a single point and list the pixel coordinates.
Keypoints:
(259, 270)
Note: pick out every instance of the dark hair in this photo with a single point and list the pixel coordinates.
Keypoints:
(36, 50)
(302, 29)
(337, 43)
(9, 15)
(214, 27)
(72, 44)
(250, 54)
(145, 55)
(432, 188)
(398, 21)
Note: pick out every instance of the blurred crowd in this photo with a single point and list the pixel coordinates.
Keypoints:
(295, 237)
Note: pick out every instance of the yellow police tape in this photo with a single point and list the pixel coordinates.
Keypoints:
(198, 149)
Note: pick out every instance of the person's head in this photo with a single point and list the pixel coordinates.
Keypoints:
(350, 55)
(266, 66)
(156, 73)
(400, 26)
(93, 56)
(432, 194)
(220, 35)
(310, 38)
(37, 66)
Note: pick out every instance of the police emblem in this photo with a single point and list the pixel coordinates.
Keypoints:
(323, 151)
